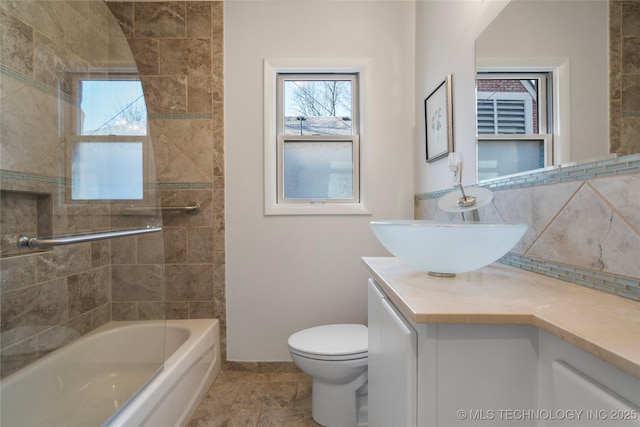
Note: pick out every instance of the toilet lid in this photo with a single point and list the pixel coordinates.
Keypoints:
(331, 340)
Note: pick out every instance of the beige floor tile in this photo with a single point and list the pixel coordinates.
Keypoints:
(303, 395)
(286, 418)
(250, 399)
(241, 377)
(221, 395)
(240, 417)
(266, 395)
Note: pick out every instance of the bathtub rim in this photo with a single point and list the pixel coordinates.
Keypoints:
(204, 337)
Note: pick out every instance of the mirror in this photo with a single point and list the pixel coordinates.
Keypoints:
(571, 41)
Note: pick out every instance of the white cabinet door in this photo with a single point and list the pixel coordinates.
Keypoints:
(393, 362)
(577, 399)
(584, 389)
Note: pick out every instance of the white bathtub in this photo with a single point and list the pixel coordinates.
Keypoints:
(88, 383)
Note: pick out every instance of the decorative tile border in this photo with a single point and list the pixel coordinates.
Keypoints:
(38, 85)
(32, 177)
(608, 167)
(181, 116)
(10, 175)
(618, 285)
(433, 194)
(611, 166)
(185, 186)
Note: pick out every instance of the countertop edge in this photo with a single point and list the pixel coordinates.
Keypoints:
(627, 363)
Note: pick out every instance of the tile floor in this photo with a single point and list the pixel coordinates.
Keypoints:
(249, 399)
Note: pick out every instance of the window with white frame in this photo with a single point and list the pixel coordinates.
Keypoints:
(313, 151)
(513, 123)
(318, 150)
(107, 148)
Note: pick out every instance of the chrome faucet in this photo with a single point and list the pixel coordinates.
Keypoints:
(465, 202)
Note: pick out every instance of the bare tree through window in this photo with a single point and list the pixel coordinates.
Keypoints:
(313, 98)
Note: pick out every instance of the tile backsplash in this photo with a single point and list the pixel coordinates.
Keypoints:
(584, 222)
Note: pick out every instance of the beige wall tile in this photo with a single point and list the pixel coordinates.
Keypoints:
(177, 310)
(63, 261)
(28, 311)
(629, 142)
(622, 194)
(189, 282)
(199, 94)
(533, 206)
(147, 55)
(185, 57)
(201, 245)
(600, 240)
(630, 18)
(88, 291)
(17, 47)
(137, 283)
(152, 310)
(124, 310)
(201, 310)
(199, 19)
(160, 19)
(165, 94)
(18, 356)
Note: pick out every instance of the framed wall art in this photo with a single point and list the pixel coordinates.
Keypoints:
(438, 116)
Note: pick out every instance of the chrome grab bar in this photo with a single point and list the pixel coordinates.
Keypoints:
(36, 242)
(192, 209)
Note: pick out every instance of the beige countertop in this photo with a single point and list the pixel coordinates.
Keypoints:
(605, 325)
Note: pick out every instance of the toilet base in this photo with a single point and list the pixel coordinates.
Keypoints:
(340, 405)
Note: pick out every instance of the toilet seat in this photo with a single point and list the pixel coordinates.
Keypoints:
(329, 358)
(331, 342)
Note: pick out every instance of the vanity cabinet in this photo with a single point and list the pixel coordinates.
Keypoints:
(393, 364)
(424, 374)
(464, 374)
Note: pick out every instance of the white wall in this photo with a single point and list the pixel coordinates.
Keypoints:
(287, 273)
(445, 44)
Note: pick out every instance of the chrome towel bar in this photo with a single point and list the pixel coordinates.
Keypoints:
(36, 242)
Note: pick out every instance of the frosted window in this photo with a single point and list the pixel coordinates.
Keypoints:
(318, 170)
(498, 158)
(107, 170)
(108, 148)
(317, 141)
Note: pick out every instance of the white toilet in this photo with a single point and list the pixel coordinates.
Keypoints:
(336, 357)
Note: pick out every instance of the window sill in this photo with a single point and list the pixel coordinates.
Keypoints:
(317, 209)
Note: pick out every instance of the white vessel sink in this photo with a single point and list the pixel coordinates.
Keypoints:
(446, 248)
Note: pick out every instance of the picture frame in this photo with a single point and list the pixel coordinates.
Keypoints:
(438, 117)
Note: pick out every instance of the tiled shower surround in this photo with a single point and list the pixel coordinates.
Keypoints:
(52, 297)
(178, 47)
(584, 222)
